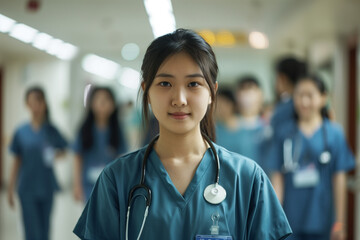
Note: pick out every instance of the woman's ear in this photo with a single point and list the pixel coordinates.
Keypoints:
(143, 86)
(215, 90)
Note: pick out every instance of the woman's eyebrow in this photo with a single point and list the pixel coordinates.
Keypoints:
(195, 75)
(167, 75)
(164, 75)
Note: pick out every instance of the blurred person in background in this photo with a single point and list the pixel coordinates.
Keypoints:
(253, 129)
(35, 146)
(227, 122)
(310, 158)
(100, 140)
(288, 70)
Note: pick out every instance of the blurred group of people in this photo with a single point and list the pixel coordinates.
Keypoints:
(303, 152)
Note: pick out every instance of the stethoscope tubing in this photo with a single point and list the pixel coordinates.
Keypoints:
(142, 184)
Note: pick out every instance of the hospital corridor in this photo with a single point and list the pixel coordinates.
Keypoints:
(180, 119)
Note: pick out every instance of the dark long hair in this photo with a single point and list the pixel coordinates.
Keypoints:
(320, 85)
(181, 40)
(41, 94)
(86, 129)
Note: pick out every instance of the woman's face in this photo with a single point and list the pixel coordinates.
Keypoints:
(179, 95)
(102, 104)
(36, 104)
(308, 100)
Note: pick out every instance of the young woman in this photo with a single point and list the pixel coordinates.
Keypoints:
(176, 187)
(35, 145)
(310, 159)
(99, 141)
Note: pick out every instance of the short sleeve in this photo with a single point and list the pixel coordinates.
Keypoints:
(266, 219)
(58, 140)
(15, 145)
(344, 158)
(100, 218)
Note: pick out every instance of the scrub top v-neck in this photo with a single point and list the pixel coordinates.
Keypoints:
(244, 214)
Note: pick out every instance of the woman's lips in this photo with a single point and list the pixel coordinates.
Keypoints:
(179, 115)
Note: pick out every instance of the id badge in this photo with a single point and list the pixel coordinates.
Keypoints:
(94, 173)
(213, 237)
(306, 177)
(48, 156)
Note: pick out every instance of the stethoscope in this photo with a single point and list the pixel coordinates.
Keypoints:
(291, 160)
(214, 193)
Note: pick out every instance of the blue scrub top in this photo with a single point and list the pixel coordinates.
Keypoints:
(99, 155)
(311, 209)
(250, 211)
(34, 148)
(283, 113)
(251, 142)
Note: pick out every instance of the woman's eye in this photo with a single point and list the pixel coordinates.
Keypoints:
(193, 84)
(165, 84)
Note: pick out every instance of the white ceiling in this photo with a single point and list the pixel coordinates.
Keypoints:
(104, 26)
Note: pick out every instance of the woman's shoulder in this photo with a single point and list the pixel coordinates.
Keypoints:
(23, 127)
(237, 164)
(333, 128)
(127, 162)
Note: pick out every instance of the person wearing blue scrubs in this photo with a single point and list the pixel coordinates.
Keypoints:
(227, 122)
(253, 130)
(100, 141)
(288, 70)
(175, 193)
(35, 145)
(310, 158)
(244, 134)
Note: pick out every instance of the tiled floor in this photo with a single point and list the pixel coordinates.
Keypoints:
(64, 216)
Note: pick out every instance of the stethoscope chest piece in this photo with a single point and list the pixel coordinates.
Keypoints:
(325, 157)
(214, 193)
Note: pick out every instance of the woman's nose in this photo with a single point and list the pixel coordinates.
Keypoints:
(179, 97)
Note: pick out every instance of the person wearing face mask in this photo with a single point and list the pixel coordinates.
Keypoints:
(35, 145)
(253, 130)
(100, 140)
(309, 161)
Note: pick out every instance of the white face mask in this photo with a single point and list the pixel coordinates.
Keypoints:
(249, 100)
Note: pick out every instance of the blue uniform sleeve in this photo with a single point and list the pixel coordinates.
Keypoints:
(100, 218)
(344, 159)
(57, 139)
(266, 218)
(15, 145)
